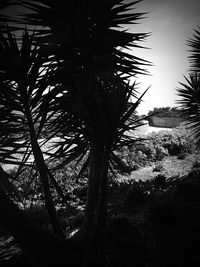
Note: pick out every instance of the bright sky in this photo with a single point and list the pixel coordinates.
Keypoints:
(171, 23)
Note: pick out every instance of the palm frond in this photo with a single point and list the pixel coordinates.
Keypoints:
(86, 43)
(23, 82)
(190, 103)
(194, 44)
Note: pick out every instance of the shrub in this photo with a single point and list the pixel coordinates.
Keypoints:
(175, 142)
(161, 152)
(159, 145)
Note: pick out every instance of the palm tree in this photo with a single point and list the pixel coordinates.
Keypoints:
(94, 40)
(23, 107)
(190, 104)
(190, 90)
(90, 65)
(194, 57)
(96, 115)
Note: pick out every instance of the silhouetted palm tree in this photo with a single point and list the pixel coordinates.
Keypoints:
(194, 57)
(190, 91)
(190, 104)
(96, 115)
(23, 107)
(90, 66)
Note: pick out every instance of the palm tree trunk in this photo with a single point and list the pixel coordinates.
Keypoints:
(101, 215)
(93, 187)
(43, 170)
(102, 196)
(95, 212)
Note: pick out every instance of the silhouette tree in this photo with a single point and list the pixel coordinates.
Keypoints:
(87, 67)
(190, 91)
(102, 111)
(23, 81)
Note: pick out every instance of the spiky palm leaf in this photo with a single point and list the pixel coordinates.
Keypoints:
(24, 100)
(23, 81)
(86, 34)
(194, 44)
(96, 111)
(94, 42)
(190, 104)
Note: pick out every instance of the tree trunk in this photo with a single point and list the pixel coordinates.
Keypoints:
(101, 214)
(102, 195)
(42, 248)
(95, 212)
(96, 158)
(43, 171)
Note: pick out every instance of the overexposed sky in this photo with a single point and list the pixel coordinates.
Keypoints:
(171, 23)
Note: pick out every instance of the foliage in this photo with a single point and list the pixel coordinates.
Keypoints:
(190, 102)
(158, 145)
(74, 184)
(79, 44)
(194, 58)
(82, 55)
(158, 168)
(189, 92)
(69, 80)
(22, 108)
(177, 141)
(165, 112)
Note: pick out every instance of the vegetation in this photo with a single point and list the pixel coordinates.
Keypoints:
(87, 193)
(66, 79)
(165, 112)
(129, 199)
(190, 90)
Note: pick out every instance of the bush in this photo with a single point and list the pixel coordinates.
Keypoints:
(158, 145)
(175, 142)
